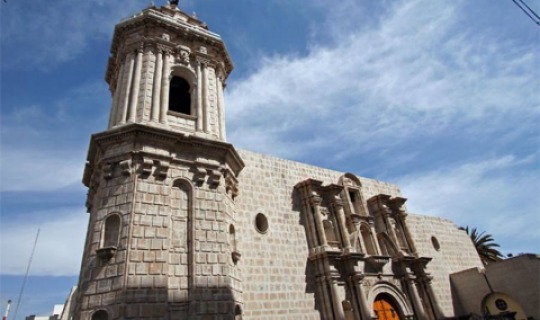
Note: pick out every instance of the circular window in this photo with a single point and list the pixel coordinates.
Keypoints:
(435, 243)
(261, 223)
(501, 304)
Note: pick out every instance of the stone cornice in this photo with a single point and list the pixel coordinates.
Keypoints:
(140, 135)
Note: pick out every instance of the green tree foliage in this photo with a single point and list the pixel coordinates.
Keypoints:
(485, 245)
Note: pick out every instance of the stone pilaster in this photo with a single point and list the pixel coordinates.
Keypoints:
(165, 83)
(127, 88)
(156, 89)
(117, 94)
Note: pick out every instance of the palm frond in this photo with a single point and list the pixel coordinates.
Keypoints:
(485, 245)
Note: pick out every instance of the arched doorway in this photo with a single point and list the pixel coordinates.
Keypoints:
(100, 315)
(385, 308)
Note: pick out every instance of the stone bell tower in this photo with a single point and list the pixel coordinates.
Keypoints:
(161, 179)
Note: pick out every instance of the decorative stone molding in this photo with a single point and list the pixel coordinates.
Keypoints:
(377, 262)
(125, 167)
(315, 199)
(214, 178)
(378, 204)
(106, 253)
(146, 166)
(183, 56)
(324, 211)
(203, 62)
(357, 277)
(236, 256)
(108, 169)
(337, 204)
(231, 184)
(396, 205)
(164, 49)
(200, 175)
(162, 168)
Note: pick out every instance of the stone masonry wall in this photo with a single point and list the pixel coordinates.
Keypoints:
(456, 252)
(273, 264)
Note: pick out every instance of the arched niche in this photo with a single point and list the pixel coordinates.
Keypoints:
(388, 247)
(350, 180)
(180, 234)
(368, 240)
(181, 197)
(110, 236)
(330, 231)
(352, 194)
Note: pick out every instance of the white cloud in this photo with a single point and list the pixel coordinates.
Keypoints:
(414, 73)
(25, 169)
(41, 149)
(59, 31)
(59, 247)
(497, 195)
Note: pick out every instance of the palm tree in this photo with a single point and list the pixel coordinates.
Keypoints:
(485, 245)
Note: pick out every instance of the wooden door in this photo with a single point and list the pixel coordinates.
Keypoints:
(385, 309)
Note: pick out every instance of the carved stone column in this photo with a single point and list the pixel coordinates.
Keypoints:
(130, 61)
(312, 233)
(200, 114)
(354, 299)
(356, 221)
(396, 204)
(204, 76)
(338, 308)
(364, 307)
(373, 231)
(415, 298)
(136, 86)
(437, 312)
(156, 89)
(385, 211)
(165, 83)
(315, 204)
(379, 205)
(221, 106)
(117, 96)
(325, 299)
(340, 214)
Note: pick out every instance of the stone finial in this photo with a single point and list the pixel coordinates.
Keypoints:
(174, 3)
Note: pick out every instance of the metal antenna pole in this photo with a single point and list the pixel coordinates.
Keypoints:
(26, 275)
(7, 310)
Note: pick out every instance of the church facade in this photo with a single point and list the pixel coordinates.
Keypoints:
(182, 225)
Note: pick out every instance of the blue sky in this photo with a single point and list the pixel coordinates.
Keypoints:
(440, 97)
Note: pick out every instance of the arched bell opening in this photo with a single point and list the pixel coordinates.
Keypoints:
(180, 96)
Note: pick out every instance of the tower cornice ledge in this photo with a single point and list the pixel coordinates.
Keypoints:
(139, 137)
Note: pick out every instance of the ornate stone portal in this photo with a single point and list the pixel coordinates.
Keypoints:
(183, 226)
